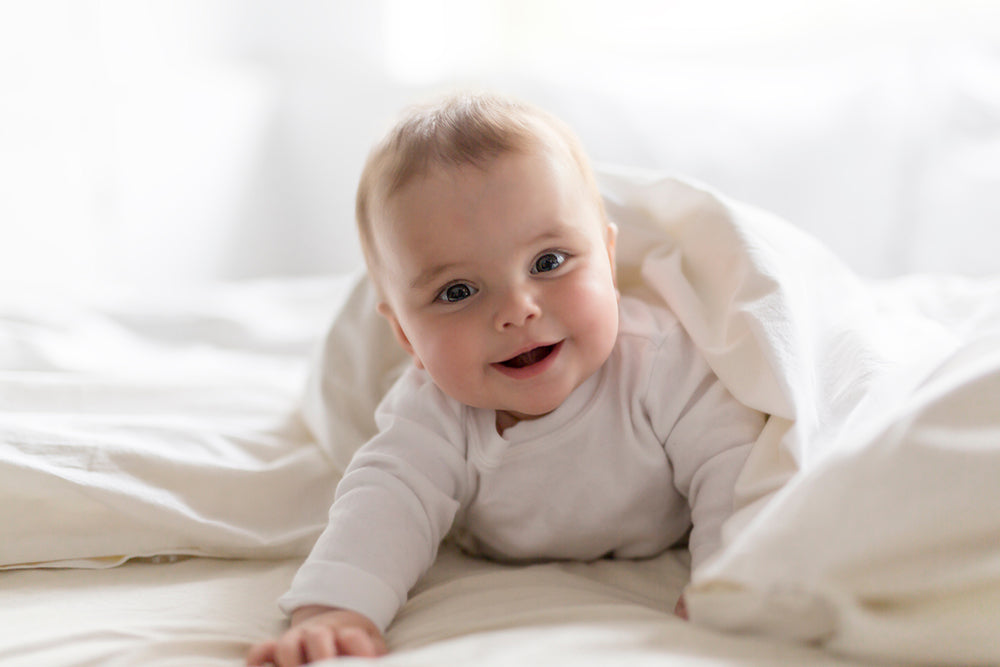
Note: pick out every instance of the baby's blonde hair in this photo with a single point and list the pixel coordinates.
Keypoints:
(463, 129)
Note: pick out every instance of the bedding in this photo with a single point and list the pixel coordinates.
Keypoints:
(159, 425)
(205, 612)
(162, 474)
(868, 520)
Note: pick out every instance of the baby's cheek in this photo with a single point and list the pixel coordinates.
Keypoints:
(598, 304)
(598, 319)
(450, 361)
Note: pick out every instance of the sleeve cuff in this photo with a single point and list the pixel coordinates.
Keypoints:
(345, 587)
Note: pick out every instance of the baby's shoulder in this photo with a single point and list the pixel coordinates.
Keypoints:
(650, 339)
(415, 397)
(418, 425)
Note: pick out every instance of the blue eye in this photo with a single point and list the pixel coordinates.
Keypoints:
(456, 292)
(550, 261)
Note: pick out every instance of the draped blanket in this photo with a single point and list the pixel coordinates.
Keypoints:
(869, 512)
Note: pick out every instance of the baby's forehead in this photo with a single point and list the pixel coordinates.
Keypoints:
(527, 201)
(434, 171)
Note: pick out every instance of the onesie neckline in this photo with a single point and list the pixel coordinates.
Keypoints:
(490, 448)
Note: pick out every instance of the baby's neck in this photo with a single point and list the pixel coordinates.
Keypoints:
(507, 419)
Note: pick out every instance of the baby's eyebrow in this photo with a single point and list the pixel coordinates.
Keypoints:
(431, 274)
(549, 235)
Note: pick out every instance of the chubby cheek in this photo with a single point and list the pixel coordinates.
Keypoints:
(591, 309)
(450, 356)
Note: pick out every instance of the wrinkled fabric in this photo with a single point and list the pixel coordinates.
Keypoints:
(869, 510)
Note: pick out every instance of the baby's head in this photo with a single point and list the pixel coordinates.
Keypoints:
(456, 131)
(487, 240)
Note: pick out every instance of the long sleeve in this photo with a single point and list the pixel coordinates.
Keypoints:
(707, 433)
(396, 502)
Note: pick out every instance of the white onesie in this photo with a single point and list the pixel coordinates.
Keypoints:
(649, 445)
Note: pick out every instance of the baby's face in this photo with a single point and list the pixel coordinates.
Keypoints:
(500, 282)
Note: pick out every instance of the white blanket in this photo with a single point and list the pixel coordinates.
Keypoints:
(868, 516)
(160, 425)
(870, 508)
(868, 512)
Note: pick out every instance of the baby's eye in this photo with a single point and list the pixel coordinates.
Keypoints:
(550, 261)
(456, 292)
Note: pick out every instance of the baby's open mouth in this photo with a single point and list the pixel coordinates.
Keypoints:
(530, 357)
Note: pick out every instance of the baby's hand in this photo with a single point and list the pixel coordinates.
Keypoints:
(681, 609)
(317, 633)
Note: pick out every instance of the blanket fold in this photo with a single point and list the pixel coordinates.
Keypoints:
(867, 514)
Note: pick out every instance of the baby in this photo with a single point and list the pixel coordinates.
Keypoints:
(544, 416)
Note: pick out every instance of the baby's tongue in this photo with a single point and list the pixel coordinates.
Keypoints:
(529, 357)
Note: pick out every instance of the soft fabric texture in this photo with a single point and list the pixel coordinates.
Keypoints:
(869, 507)
(868, 517)
(649, 443)
(141, 425)
(845, 367)
(205, 612)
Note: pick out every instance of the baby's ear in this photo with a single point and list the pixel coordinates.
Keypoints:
(385, 311)
(611, 238)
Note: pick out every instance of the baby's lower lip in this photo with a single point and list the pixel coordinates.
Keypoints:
(530, 363)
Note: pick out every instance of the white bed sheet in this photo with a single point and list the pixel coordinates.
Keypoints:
(207, 611)
(139, 425)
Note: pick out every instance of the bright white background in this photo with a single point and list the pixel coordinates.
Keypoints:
(157, 142)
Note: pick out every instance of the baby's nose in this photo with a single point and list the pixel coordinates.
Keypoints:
(517, 308)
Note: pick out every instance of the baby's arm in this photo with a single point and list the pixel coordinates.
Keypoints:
(317, 633)
(394, 504)
(708, 435)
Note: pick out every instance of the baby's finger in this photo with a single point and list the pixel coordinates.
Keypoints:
(355, 641)
(288, 652)
(260, 654)
(319, 643)
(378, 641)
